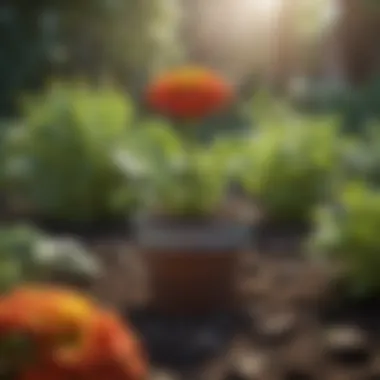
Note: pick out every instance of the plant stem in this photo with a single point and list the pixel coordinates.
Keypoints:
(188, 135)
(187, 131)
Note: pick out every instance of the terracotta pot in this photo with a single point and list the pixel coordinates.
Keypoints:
(192, 264)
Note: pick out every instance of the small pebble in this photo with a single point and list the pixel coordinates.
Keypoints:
(347, 345)
(288, 273)
(276, 329)
(164, 375)
(248, 366)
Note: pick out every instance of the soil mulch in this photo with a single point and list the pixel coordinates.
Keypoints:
(287, 329)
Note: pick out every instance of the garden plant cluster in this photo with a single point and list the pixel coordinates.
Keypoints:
(81, 156)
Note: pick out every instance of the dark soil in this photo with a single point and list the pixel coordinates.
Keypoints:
(280, 237)
(289, 327)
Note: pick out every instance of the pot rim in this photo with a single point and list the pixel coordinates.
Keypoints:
(209, 235)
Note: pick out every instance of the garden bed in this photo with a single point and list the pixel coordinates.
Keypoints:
(286, 329)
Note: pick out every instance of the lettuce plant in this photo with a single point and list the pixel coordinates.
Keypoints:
(179, 178)
(290, 165)
(348, 233)
(60, 159)
(27, 254)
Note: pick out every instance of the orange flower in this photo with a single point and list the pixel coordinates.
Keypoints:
(71, 336)
(108, 350)
(44, 312)
(189, 93)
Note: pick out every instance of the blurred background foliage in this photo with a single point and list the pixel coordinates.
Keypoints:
(323, 54)
(127, 40)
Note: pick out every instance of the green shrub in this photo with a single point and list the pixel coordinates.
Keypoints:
(26, 254)
(291, 164)
(360, 107)
(60, 160)
(348, 233)
(362, 155)
(178, 176)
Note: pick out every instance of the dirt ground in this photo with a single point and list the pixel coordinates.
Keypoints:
(289, 327)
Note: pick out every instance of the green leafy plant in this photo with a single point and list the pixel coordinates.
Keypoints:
(60, 160)
(360, 107)
(348, 233)
(290, 164)
(362, 155)
(27, 254)
(177, 176)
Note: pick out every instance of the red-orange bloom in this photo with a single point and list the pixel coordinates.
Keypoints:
(72, 337)
(189, 93)
(104, 350)
(46, 313)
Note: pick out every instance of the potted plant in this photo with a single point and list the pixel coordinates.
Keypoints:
(290, 165)
(190, 247)
(27, 254)
(60, 165)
